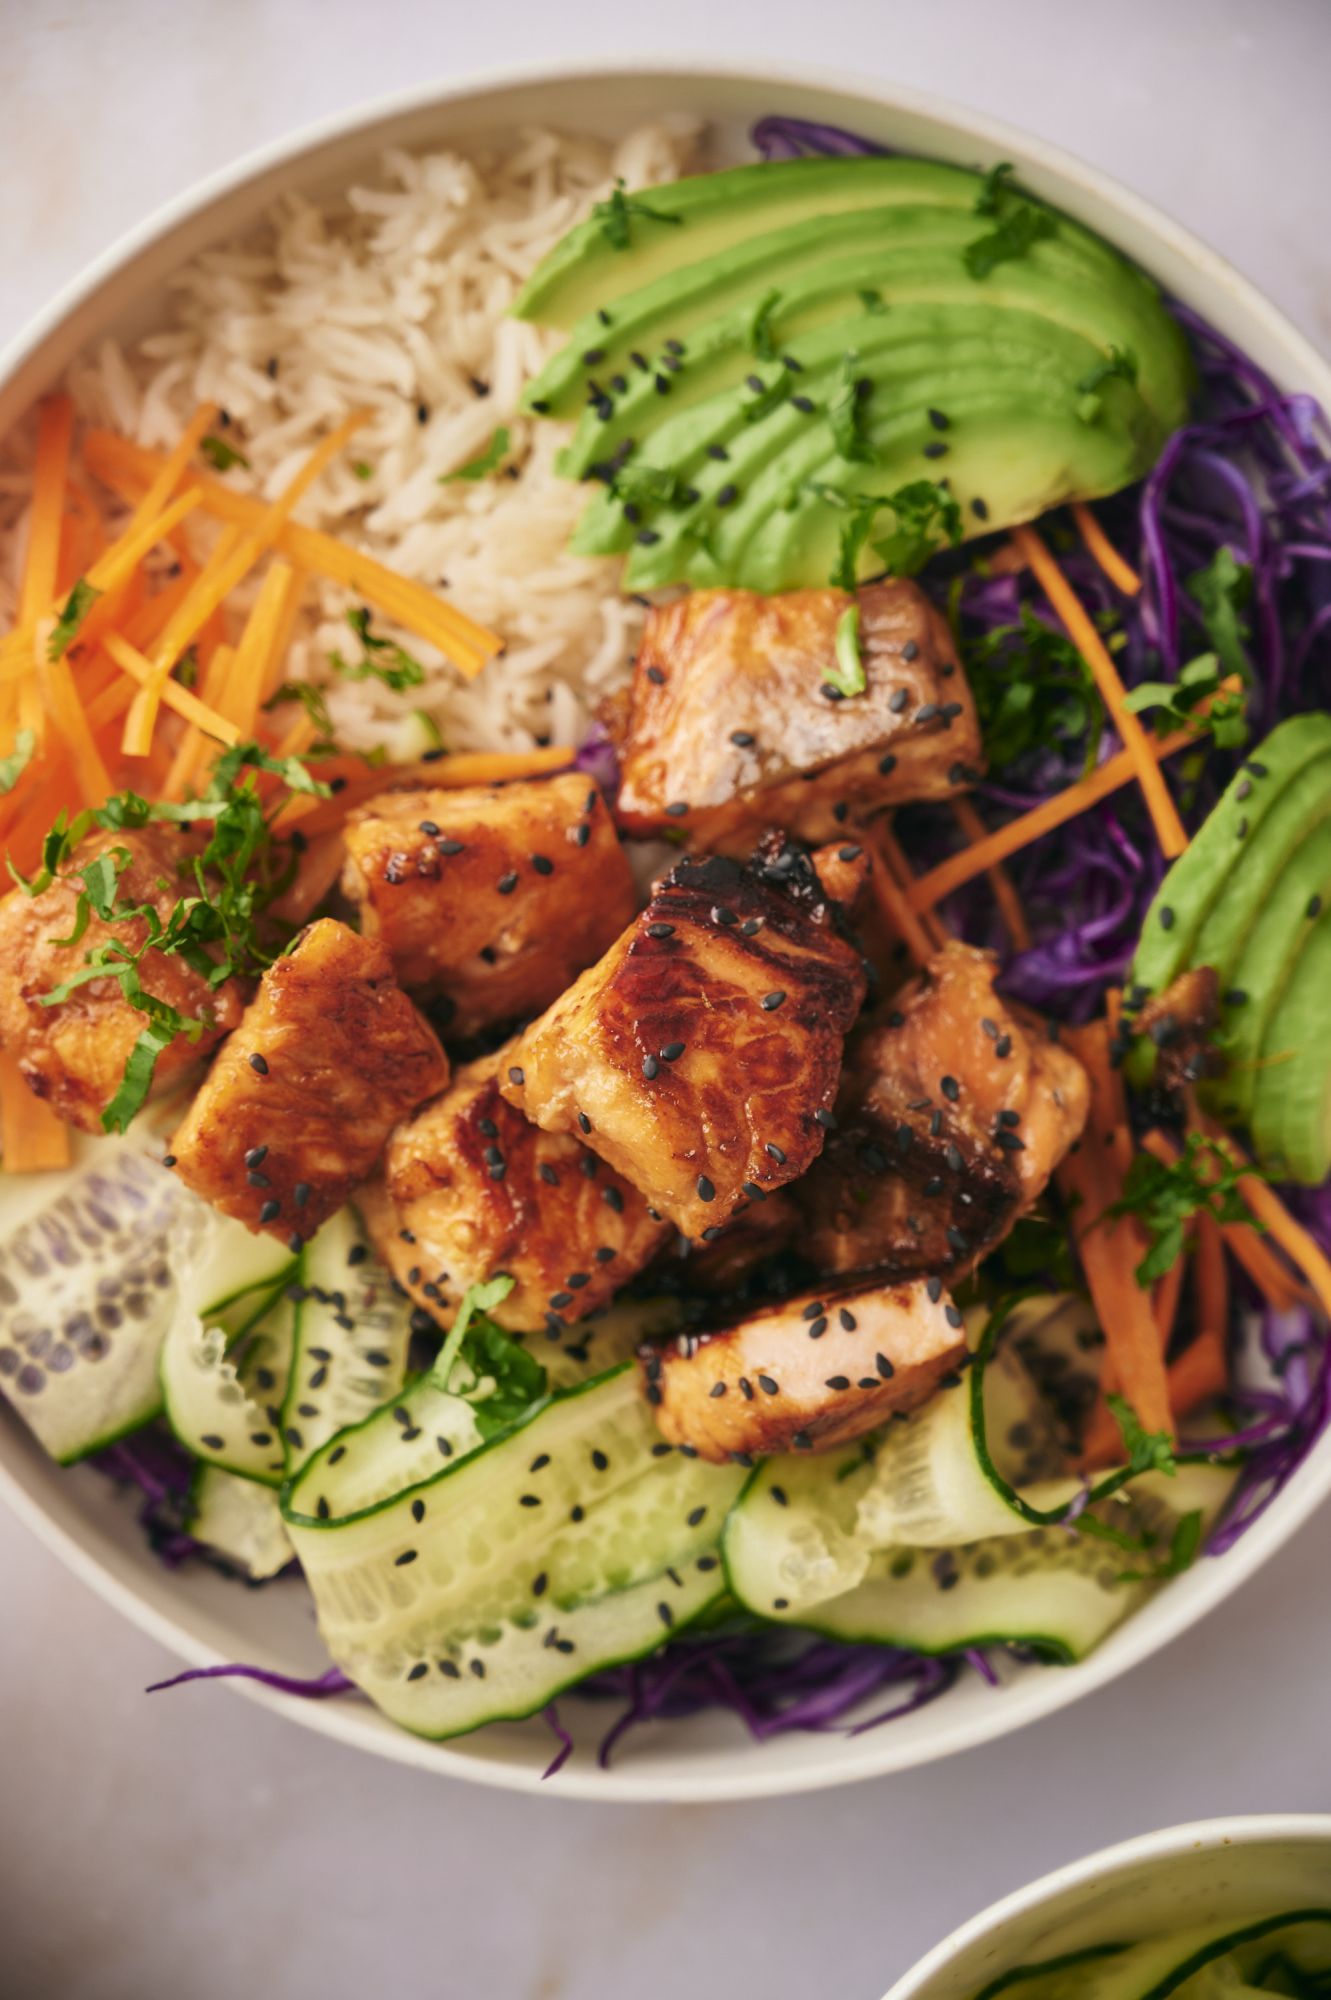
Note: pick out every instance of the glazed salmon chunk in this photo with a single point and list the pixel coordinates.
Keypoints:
(296, 1110)
(489, 899)
(954, 1110)
(74, 1054)
(473, 1189)
(732, 724)
(699, 1057)
(808, 1374)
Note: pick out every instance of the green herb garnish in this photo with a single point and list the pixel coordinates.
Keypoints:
(1164, 1196)
(76, 608)
(924, 513)
(1033, 691)
(315, 704)
(1121, 365)
(1176, 704)
(485, 462)
(616, 212)
(848, 675)
(381, 659)
(648, 485)
(16, 763)
(1222, 592)
(769, 397)
(511, 1379)
(1184, 1546)
(995, 187)
(847, 408)
(221, 454)
(761, 342)
(1016, 233)
(362, 469)
(1146, 1451)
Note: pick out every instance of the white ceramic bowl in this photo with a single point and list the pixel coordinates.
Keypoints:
(1223, 1871)
(202, 1617)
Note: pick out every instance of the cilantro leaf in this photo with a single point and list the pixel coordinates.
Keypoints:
(16, 763)
(995, 187)
(76, 608)
(1175, 704)
(1016, 233)
(1221, 593)
(518, 1377)
(485, 462)
(381, 659)
(315, 704)
(872, 300)
(616, 212)
(1165, 1195)
(767, 397)
(848, 674)
(221, 454)
(476, 1299)
(1033, 691)
(847, 409)
(1147, 1451)
(362, 469)
(1120, 364)
(1184, 1546)
(139, 1070)
(926, 514)
(648, 485)
(761, 341)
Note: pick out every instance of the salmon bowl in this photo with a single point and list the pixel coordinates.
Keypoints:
(332, 319)
(1176, 1906)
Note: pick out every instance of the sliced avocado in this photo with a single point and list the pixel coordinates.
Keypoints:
(1203, 872)
(1255, 983)
(716, 345)
(606, 256)
(1291, 1098)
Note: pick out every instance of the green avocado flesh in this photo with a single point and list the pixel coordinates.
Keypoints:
(712, 358)
(1246, 899)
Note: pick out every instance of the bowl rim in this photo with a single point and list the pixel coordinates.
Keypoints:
(742, 1774)
(1162, 1844)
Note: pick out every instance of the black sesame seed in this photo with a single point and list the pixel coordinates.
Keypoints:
(660, 930)
(650, 1067)
(727, 495)
(887, 765)
(270, 1211)
(677, 808)
(1166, 918)
(1003, 1047)
(671, 1052)
(774, 1152)
(706, 1191)
(407, 1556)
(1314, 906)
(258, 1065)
(717, 1390)
(884, 1367)
(935, 449)
(771, 1001)
(837, 1382)
(743, 739)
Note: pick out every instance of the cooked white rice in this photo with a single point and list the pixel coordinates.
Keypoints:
(393, 298)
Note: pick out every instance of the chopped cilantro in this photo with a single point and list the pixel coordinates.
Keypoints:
(1033, 691)
(923, 512)
(221, 454)
(1147, 1451)
(1017, 231)
(763, 401)
(1221, 593)
(362, 469)
(761, 342)
(648, 485)
(486, 462)
(996, 185)
(1175, 704)
(873, 301)
(76, 608)
(1165, 1195)
(616, 212)
(16, 763)
(1184, 1546)
(315, 704)
(846, 411)
(510, 1379)
(848, 676)
(1120, 364)
(381, 659)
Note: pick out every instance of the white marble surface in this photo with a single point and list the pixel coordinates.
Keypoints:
(195, 1846)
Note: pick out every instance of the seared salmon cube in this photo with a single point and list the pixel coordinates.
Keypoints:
(954, 1109)
(490, 898)
(74, 1054)
(732, 723)
(474, 1189)
(297, 1108)
(700, 1056)
(806, 1375)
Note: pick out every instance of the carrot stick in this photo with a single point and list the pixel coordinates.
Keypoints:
(460, 639)
(1105, 779)
(1267, 1208)
(1279, 1287)
(1102, 549)
(1091, 1176)
(33, 1138)
(61, 700)
(244, 690)
(1200, 1374)
(1169, 827)
(1211, 1278)
(1165, 1301)
(916, 932)
(361, 782)
(1005, 895)
(320, 866)
(173, 694)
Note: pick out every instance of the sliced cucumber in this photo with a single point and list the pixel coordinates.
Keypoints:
(95, 1263)
(1275, 1954)
(352, 1331)
(570, 1543)
(240, 1521)
(1058, 1589)
(226, 1359)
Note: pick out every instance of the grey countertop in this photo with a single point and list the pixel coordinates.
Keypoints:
(194, 1845)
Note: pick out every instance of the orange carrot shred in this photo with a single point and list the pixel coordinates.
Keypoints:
(920, 933)
(1005, 895)
(1278, 1286)
(1102, 549)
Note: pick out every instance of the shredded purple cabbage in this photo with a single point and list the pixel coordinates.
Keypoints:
(596, 756)
(162, 1471)
(316, 1687)
(796, 138)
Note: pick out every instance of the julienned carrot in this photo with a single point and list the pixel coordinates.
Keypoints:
(1169, 828)
(1200, 1374)
(1268, 1209)
(67, 712)
(1102, 549)
(358, 781)
(173, 694)
(320, 866)
(244, 690)
(33, 1138)
(127, 468)
(916, 931)
(1005, 841)
(1009, 903)
(1278, 1286)
(1211, 1280)
(1165, 1297)
(1112, 1247)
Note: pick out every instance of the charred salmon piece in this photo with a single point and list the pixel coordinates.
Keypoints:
(732, 725)
(954, 1109)
(491, 898)
(474, 1189)
(806, 1375)
(74, 1055)
(700, 1056)
(296, 1110)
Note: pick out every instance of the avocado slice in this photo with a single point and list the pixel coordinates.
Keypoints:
(1283, 920)
(1052, 373)
(597, 262)
(1203, 872)
(1291, 1098)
